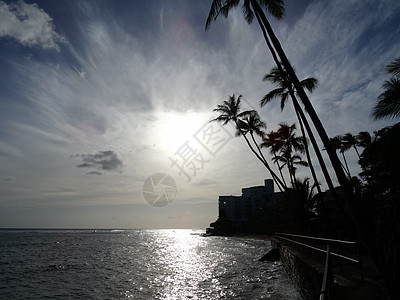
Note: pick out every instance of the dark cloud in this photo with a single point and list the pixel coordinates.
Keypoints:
(102, 160)
(9, 178)
(94, 173)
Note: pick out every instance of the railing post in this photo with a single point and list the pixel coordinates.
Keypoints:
(327, 282)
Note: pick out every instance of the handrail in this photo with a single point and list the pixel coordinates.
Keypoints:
(326, 288)
(317, 238)
(321, 250)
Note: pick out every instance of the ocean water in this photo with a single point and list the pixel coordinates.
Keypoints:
(136, 264)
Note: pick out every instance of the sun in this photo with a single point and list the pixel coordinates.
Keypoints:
(175, 129)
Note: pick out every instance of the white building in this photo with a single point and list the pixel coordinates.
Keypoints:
(240, 209)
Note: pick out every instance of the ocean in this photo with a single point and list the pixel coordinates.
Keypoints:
(137, 264)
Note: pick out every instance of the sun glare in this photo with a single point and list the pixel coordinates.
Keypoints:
(175, 129)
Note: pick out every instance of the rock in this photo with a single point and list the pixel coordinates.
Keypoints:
(272, 255)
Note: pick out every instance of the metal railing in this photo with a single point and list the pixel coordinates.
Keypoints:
(328, 279)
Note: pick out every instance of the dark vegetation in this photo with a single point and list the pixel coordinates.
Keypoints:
(364, 208)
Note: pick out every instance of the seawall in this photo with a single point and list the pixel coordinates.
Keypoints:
(305, 273)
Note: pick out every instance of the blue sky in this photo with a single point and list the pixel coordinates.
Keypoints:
(96, 96)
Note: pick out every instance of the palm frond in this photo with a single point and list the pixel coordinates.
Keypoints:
(214, 12)
(310, 84)
(394, 67)
(275, 7)
(284, 98)
(388, 105)
(247, 12)
(228, 5)
(271, 95)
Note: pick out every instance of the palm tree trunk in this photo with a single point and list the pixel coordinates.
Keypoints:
(280, 169)
(346, 166)
(358, 154)
(304, 119)
(342, 178)
(310, 164)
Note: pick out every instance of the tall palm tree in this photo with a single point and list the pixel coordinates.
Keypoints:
(388, 105)
(231, 112)
(285, 89)
(348, 141)
(276, 8)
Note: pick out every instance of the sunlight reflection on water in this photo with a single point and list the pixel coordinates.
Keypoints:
(137, 264)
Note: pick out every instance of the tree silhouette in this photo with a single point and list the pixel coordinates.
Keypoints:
(272, 141)
(291, 145)
(348, 141)
(278, 76)
(388, 105)
(337, 144)
(363, 139)
(231, 112)
(276, 8)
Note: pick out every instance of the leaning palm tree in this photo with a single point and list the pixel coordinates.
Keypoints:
(276, 8)
(253, 125)
(231, 112)
(284, 91)
(388, 105)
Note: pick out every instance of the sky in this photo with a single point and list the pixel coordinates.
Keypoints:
(103, 104)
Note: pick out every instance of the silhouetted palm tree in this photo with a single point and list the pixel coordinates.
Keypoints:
(290, 144)
(306, 192)
(272, 141)
(338, 145)
(276, 8)
(231, 112)
(364, 139)
(284, 90)
(348, 141)
(388, 105)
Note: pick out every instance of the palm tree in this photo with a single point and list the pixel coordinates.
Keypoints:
(231, 112)
(306, 192)
(291, 143)
(252, 124)
(276, 8)
(388, 105)
(271, 140)
(363, 139)
(348, 141)
(285, 89)
(337, 144)
(287, 159)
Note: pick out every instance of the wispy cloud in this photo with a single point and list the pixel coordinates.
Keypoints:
(29, 25)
